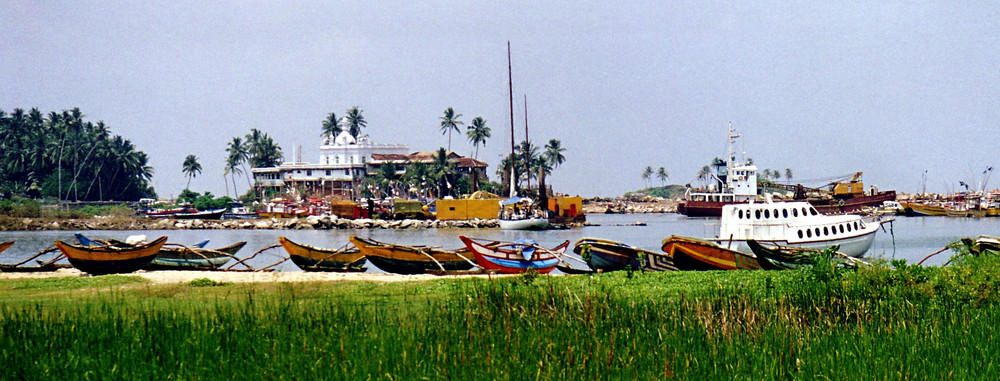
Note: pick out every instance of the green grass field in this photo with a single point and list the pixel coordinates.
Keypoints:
(883, 322)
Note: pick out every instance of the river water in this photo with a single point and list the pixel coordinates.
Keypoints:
(911, 238)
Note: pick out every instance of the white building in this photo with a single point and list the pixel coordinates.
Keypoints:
(341, 168)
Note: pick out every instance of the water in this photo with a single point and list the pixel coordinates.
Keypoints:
(913, 238)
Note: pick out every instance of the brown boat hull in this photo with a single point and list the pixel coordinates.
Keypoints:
(100, 260)
(695, 254)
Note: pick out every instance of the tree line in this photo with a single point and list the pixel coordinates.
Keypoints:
(62, 156)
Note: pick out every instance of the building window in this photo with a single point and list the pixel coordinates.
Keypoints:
(309, 173)
(328, 173)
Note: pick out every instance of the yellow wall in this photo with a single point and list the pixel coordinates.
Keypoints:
(467, 209)
(564, 203)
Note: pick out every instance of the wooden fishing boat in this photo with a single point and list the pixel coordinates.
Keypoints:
(109, 259)
(5, 245)
(514, 257)
(309, 258)
(652, 261)
(606, 255)
(775, 257)
(919, 209)
(162, 213)
(177, 257)
(695, 254)
(404, 259)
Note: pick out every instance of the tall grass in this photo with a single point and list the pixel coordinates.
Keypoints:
(895, 321)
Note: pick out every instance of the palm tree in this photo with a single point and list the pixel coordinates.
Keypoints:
(647, 174)
(442, 170)
(478, 132)
(553, 153)
(450, 122)
(262, 150)
(355, 121)
(704, 174)
(233, 168)
(662, 175)
(191, 168)
(528, 155)
(331, 126)
(237, 151)
(788, 175)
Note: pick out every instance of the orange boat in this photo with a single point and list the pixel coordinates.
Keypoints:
(111, 259)
(695, 254)
(5, 245)
(310, 258)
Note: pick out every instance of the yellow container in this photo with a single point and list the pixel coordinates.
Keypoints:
(467, 209)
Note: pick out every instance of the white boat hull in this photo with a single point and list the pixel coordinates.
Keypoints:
(524, 224)
(855, 246)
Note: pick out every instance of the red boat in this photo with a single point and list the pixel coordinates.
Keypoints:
(514, 257)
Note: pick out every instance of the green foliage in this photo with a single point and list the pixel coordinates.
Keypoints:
(205, 282)
(24, 208)
(60, 155)
(204, 201)
(885, 321)
(667, 192)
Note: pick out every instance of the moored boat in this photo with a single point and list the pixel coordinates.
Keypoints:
(514, 257)
(214, 214)
(795, 224)
(310, 258)
(5, 245)
(178, 257)
(606, 255)
(517, 213)
(921, 209)
(406, 259)
(696, 254)
(111, 259)
(783, 258)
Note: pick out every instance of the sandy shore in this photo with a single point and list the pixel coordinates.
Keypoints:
(161, 277)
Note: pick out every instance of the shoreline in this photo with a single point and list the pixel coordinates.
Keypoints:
(182, 277)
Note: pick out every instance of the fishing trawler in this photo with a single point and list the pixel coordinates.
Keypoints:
(736, 182)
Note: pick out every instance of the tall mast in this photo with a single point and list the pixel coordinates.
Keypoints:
(510, 88)
(527, 154)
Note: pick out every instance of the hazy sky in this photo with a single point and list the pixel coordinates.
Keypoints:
(823, 88)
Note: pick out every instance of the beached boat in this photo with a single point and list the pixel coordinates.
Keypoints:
(652, 261)
(795, 224)
(606, 255)
(783, 258)
(514, 257)
(406, 259)
(309, 258)
(696, 254)
(162, 213)
(111, 259)
(5, 245)
(178, 257)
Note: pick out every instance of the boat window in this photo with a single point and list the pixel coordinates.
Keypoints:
(855, 225)
(757, 214)
(825, 232)
(813, 211)
(767, 213)
(800, 233)
(795, 212)
(817, 232)
(784, 213)
(848, 227)
(809, 233)
(741, 214)
(862, 225)
(804, 213)
(841, 229)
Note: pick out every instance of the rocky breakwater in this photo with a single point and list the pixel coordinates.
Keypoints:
(620, 205)
(312, 222)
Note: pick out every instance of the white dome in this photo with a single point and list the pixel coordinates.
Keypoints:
(345, 138)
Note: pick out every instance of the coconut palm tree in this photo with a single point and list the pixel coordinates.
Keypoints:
(478, 132)
(527, 158)
(237, 152)
(662, 175)
(191, 168)
(449, 123)
(442, 170)
(788, 175)
(331, 126)
(647, 174)
(355, 121)
(704, 174)
(262, 150)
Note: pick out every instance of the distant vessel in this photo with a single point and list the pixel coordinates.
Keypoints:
(736, 184)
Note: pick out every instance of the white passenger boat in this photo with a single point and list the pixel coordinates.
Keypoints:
(795, 224)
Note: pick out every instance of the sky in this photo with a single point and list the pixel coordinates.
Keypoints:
(826, 89)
